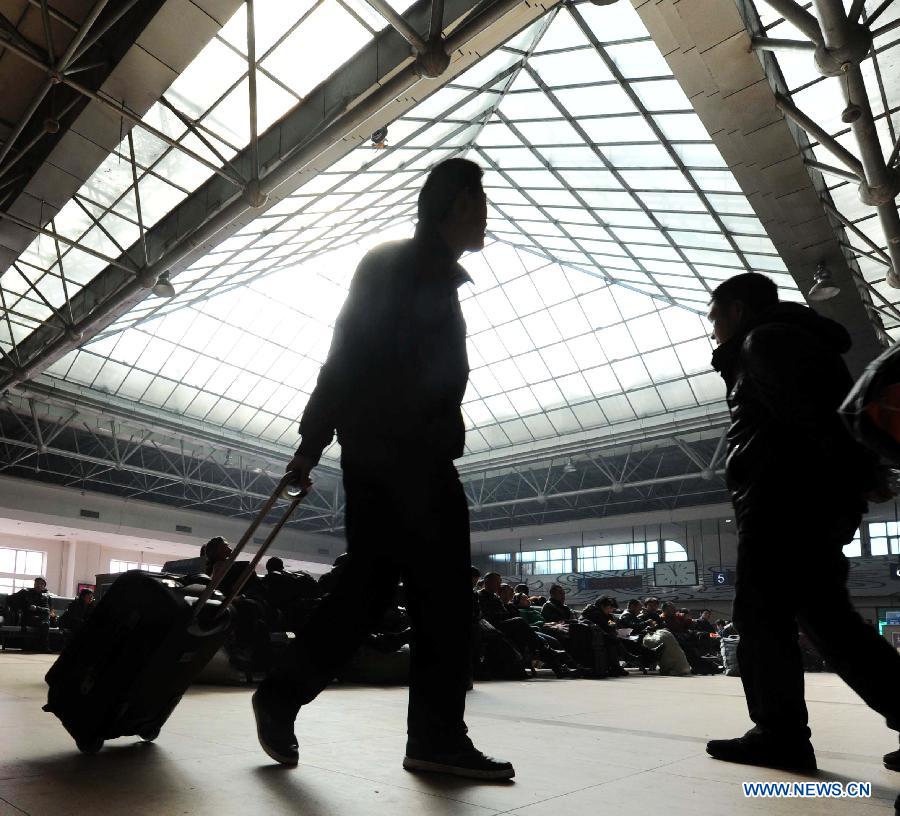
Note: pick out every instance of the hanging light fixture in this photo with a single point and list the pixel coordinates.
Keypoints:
(824, 287)
(569, 466)
(163, 287)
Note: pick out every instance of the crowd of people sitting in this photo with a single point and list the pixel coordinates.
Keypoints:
(516, 632)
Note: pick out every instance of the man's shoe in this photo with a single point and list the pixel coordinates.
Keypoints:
(791, 756)
(275, 727)
(467, 762)
(892, 760)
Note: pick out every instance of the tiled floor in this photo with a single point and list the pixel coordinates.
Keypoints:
(629, 747)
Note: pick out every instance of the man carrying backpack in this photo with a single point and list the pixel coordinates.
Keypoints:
(798, 481)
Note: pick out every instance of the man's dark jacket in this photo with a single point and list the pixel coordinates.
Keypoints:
(493, 610)
(788, 451)
(24, 599)
(397, 369)
(556, 612)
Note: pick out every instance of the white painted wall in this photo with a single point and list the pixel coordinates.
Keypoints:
(42, 517)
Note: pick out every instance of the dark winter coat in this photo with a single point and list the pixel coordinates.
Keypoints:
(397, 369)
(789, 454)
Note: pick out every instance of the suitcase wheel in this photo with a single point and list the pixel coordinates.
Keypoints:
(149, 734)
(90, 746)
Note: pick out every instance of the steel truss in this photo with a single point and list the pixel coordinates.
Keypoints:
(380, 79)
(79, 448)
(839, 41)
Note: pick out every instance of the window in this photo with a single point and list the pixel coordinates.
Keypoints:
(854, 548)
(884, 538)
(19, 568)
(115, 565)
(545, 562)
(632, 555)
(675, 552)
(505, 557)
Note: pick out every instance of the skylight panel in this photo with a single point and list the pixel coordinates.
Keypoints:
(325, 40)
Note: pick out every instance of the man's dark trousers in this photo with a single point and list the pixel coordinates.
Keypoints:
(406, 522)
(788, 576)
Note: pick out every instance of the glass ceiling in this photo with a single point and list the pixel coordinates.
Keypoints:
(821, 98)
(612, 217)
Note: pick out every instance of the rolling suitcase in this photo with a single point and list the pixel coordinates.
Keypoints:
(126, 670)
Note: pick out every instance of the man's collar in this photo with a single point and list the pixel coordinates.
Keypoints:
(430, 240)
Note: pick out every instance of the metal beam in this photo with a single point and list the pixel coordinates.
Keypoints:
(310, 136)
(399, 24)
(799, 17)
(822, 136)
(776, 44)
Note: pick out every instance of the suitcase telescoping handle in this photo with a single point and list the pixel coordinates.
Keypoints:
(285, 489)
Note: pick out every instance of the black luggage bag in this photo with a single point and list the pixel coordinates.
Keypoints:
(588, 647)
(126, 670)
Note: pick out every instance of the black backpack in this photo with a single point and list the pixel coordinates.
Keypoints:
(871, 410)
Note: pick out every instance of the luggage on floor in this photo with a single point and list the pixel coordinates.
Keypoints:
(588, 647)
(729, 655)
(147, 639)
(497, 658)
(670, 658)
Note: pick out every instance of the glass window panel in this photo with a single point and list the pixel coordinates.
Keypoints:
(548, 394)
(631, 373)
(559, 359)
(610, 23)
(616, 342)
(675, 551)
(648, 332)
(586, 351)
(532, 367)
(663, 365)
(559, 69)
(854, 548)
(641, 59)
(627, 129)
(542, 329)
(646, 402)
(540, 426)
(602, 381)
(589, 414)
(676, 395)
(708, 388)
(664, 94)
(523, 401)
(34, 562)
(878, 546)
(325, 40)
(617, 409)
(589, 100)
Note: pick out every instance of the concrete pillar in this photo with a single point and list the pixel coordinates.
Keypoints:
(70, 549)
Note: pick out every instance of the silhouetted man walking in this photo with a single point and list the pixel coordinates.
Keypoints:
(797, 479)
(392, 387)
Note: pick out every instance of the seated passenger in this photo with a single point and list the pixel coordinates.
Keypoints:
(77, 612)
(33, 608)
(532, 616)
(507, 620)
(651, 611)
(629, 619)
(676, 622)
(555, 610)
(282, 588)
(704, 622)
